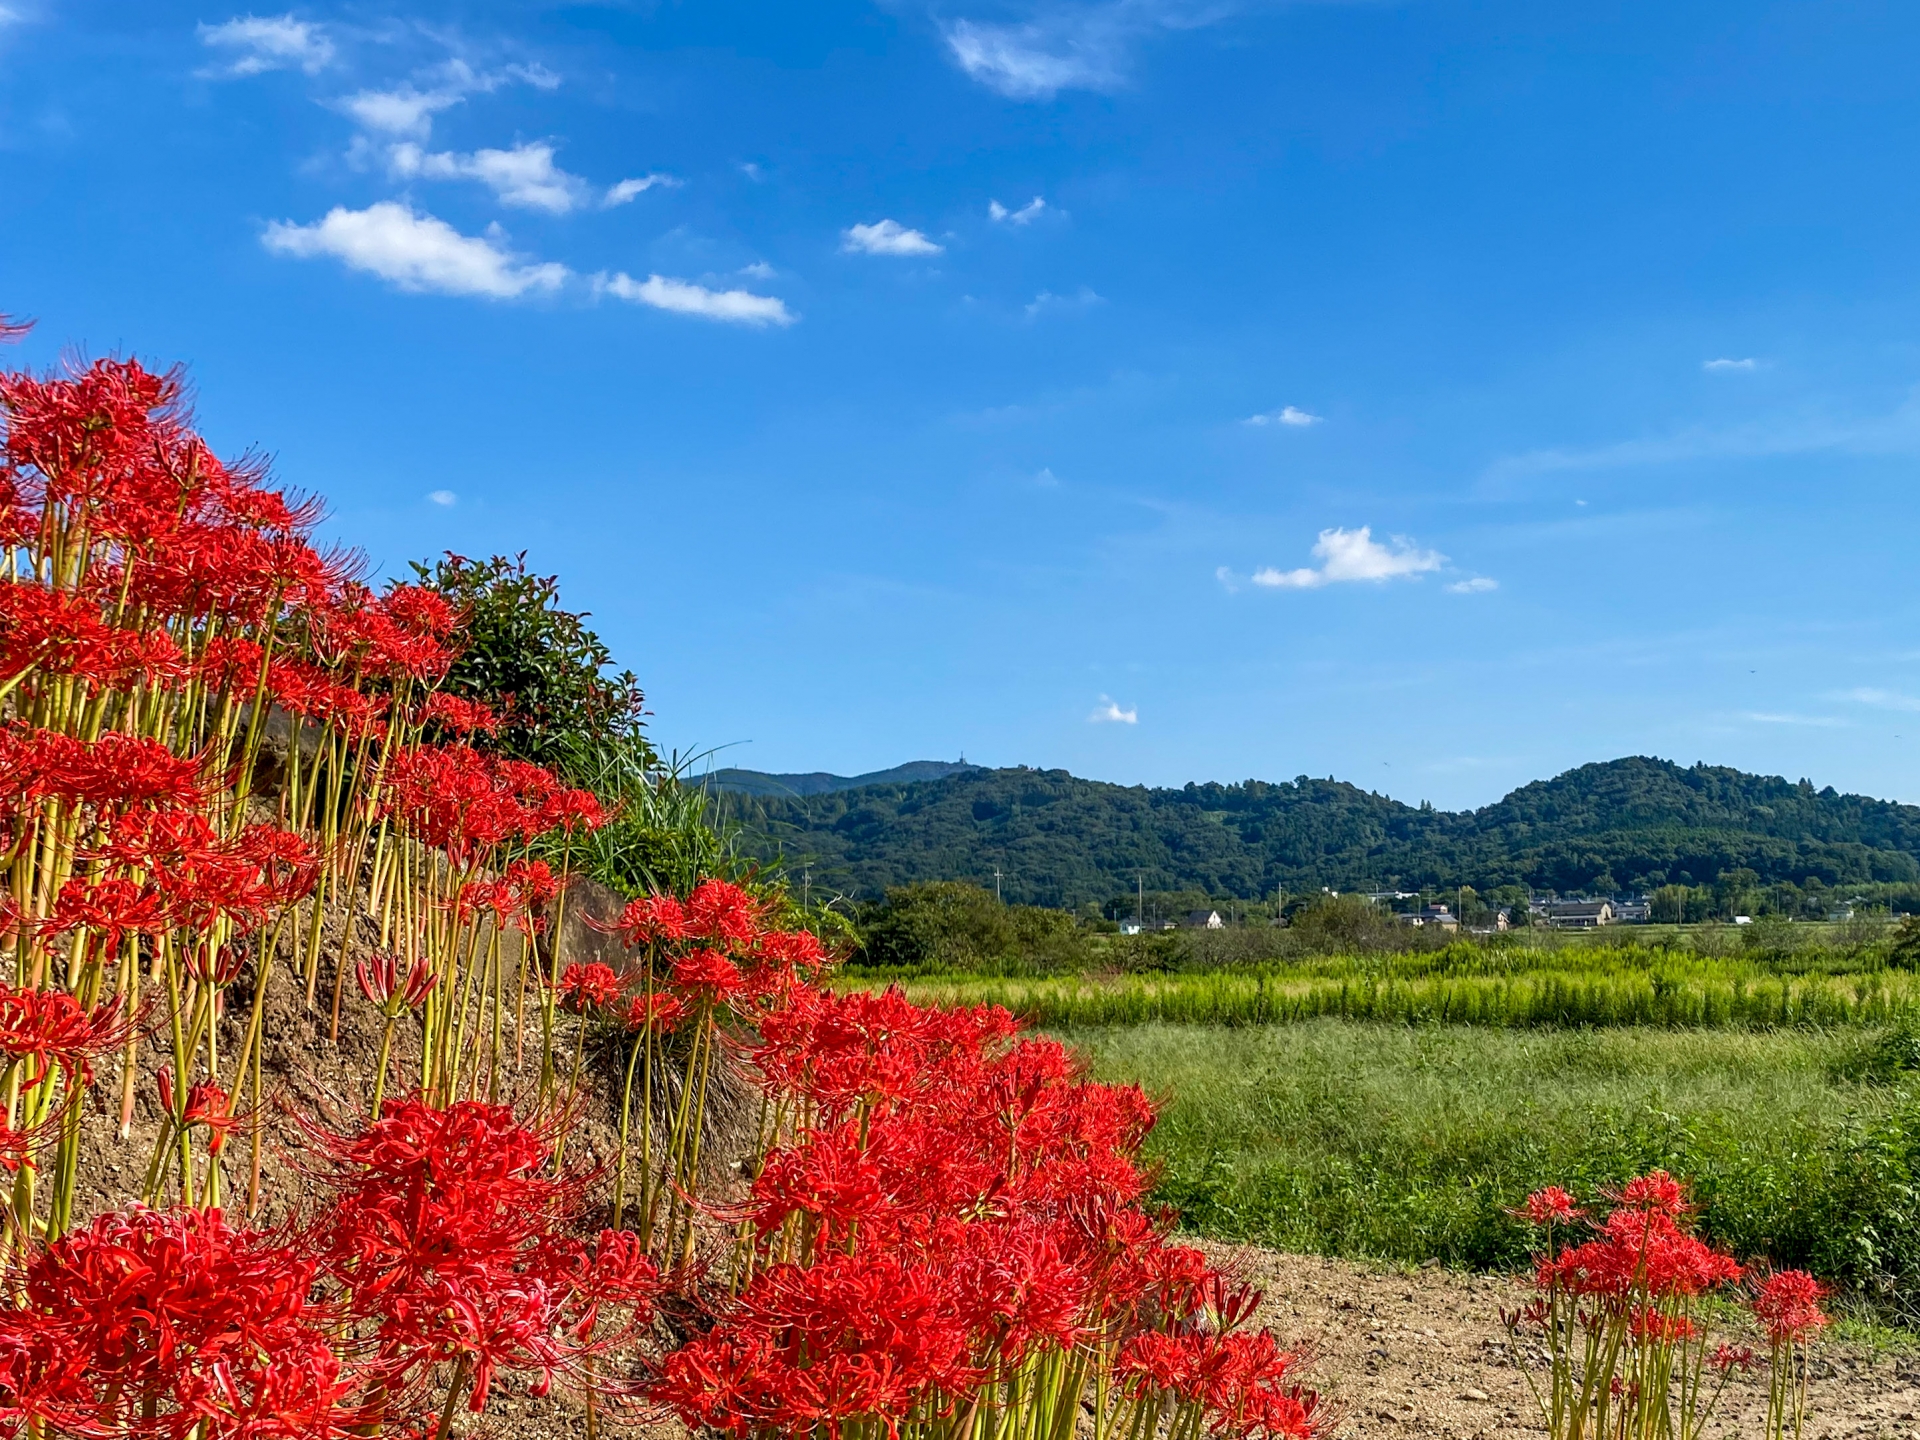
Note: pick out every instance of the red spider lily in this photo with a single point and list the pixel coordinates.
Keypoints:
(658, 1012)
(852, 1338)
(1656, 1192)
(113, 908)
(450, 1243)
(458, 716)
(708, 978)
(383, 982)
(722, 913)
(1731, 1357)
(12, 331)
(42, 1028)
(171, 1323)
(60, 634)
(207, 1105)
(1550, 1206)
(650, 920)
(534, 880)
(1787, 1304)
(116, 771)
(589, 987)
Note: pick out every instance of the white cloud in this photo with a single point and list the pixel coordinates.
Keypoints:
(1025, 215)
(1286, 415)
(1354, 555)
(1047, 301)
(1474, 585)
(414, 252)
(1046, 477)
(1748, 364)
(1069, 46)
(1766, 718)
(887, 237)
(626, 190)
(1880, 699)
(1035, 61)
(1108, 712)
(442, 497)
(260, 43)
(409, 111)
(758, 270)
(683, 297)
(405, 111)
(524, 176)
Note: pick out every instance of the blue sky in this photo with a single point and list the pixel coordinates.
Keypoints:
(1432, 395)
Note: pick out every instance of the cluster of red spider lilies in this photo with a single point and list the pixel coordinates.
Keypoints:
(1626, 1318)
(227, 773)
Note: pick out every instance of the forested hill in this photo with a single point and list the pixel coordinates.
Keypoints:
(1631, 824)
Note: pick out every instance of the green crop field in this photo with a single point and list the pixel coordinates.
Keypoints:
(1409, 1143)
(1505, 987)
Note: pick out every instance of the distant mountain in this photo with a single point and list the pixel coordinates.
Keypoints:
(819, 782)
(1629, 824)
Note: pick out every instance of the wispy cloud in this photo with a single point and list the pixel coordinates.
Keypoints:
(443, 497)
(407, 110)
(414, 252)
(1025, 215)
(1286, 415)
(886, 237)
(1763, 717)
(684, 297)
(259, 43)
(1896, 432)
(1475, 585)
(1108, 712)
(1068, 46)
(627, 190)
(1046, 302)
(524, 176)
(1723, 364)
(1352, 555)
(1879, 699)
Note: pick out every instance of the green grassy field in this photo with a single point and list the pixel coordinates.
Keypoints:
(1409, 1142)
(1472, 986)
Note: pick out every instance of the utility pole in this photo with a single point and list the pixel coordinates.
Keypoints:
(996, 885)
(1140, 900)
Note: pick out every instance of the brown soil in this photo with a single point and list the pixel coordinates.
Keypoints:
(1422, 1353)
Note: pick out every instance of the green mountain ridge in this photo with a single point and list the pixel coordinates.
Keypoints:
(1621, 825)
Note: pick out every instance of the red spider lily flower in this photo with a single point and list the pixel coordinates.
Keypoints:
(657, 1012)
(1550, 1206)
(164, 1322)
(61, 634)
(571, 811)
(12, 331)
(207, 1105)
(458, 716)
(451, 1242)
(39, 1028)
(589, 987)
(853, 1338)
(112, 908)
(535, 881)
(1656, 1192)
(382, 981)
(707, 977)
(650, 920)
(1730, 1357)
(1788, 1306)
(722, 913)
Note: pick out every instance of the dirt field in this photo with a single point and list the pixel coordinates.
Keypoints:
(1421, 1353)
